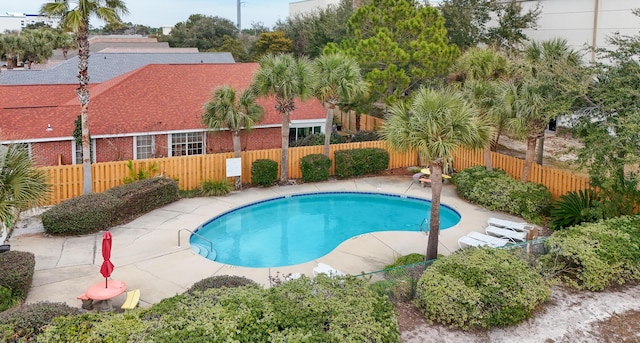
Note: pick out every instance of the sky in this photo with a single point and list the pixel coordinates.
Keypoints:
(158, 13)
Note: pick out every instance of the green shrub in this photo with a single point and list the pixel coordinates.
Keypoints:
(81, 215)
(17, 272)
(315, 167)
(595, 256)
(574, 208)
(360, 161)
(143, 196)
(25, 322)
(7, 300)
(219, 281)
(264, 172)
(407, 260)
(318, 310)
(141, 174)
(497, 191)
(99, 211)
(480, 288)
(215, 187)
(365, 136)
(318, 139)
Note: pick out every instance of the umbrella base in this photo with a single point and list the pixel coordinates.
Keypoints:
(103, 305)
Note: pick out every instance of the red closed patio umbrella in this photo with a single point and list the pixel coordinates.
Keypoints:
(107, 267)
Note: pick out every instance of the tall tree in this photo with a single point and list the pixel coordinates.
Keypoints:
(12, 46)
(286, 78)
(435, 123)
(22, 185)
(201, 31)
(272, 43)
(311, 32)
(226, 110)
(39, 45)
(482, 72)
(551, 82)
(469, 22)
(76, 20)
(609, 126)
(399, 45)
(339, 79)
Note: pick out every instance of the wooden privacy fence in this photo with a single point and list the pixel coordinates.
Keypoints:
(367, 122)
(67, 180)
(558, 181)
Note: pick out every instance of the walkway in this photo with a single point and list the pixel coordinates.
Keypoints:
(146, 256)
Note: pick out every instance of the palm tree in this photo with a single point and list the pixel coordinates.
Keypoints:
(339, 79)
(482, 73)
(435, 123)
(76, 20)
(224, 110)
(12, 47)
(21, 184)
(550, 81)
(285, 78)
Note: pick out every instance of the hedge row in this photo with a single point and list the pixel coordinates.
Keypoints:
(16, 274)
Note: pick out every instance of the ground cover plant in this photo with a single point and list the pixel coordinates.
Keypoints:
(480, 288)
(302, 310)
(594, 256)
(401, 278)
(25, 322)
(497, 191)
(214, 187)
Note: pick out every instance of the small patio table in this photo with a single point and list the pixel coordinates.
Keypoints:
(104, 292)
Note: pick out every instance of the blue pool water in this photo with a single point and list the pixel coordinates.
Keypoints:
(300, 228)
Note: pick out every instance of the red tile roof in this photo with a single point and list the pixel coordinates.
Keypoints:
(154, 98)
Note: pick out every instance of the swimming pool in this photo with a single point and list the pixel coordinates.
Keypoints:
(299, 228)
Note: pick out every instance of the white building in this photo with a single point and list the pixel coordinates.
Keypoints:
(309, 6)
(584, 23)
(18, 21)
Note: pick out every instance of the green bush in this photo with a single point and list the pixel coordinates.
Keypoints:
(219, 281)
(141, 174)
(318, 310)
(17, 272)
(81, 215)
(480, 288)
(497, 191)
(318, 139)
(365, 136)
(595, 256)
(574, 208)
(143, 196)
(264, 172)
(99, 211)
(25, 322)
(7, 300)
(315, 167)
(360, 161)
(406, 260)
(215, 187)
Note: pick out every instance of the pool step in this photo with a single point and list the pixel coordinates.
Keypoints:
(204, 251)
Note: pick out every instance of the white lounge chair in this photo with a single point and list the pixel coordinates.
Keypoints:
(491, 240)
(508, 224)
(327, 270)
(466, 241)
(512, 235)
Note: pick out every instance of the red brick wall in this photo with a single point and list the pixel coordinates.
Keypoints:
(48, 153)
(121, 149)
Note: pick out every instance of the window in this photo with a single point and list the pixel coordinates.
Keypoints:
(297, 133)
(187, 144)
(77, 157)
(144, 147)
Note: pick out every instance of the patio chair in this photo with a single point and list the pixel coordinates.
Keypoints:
(491, 240)
(512, 235)
(508, 224)
(466, 242)
(327, 270)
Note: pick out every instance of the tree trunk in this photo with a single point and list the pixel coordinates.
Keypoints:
(235, 138)
(83, 95)
(284, 161)
(528, 157)
(357, 122)
(434, 223)
(328, 128)
(487, 158)
(540, 152)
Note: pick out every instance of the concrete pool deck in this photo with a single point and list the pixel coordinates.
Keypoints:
(146, 255)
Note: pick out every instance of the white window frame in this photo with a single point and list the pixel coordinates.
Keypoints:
(75, 151)
(136, 146)
(200, 133)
